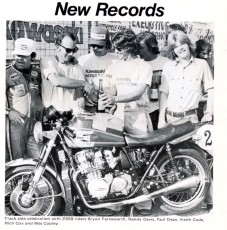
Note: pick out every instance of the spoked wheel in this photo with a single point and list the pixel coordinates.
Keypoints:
(188, 163)
(43, 202)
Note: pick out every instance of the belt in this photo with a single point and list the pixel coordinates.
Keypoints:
(181, 114)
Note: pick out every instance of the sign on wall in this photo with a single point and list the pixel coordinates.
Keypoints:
(45, 33)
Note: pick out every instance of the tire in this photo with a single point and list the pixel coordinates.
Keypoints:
(47, 186)
(188, 162)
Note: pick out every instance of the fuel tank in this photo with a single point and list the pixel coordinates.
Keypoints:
(99, 130)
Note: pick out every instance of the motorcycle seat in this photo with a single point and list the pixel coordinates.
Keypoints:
(161, 136)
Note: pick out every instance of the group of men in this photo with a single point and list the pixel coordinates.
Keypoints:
(127, 76)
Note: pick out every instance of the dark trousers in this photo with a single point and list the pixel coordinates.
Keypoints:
(22, 141)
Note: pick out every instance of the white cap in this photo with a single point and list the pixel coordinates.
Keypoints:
(24, 46)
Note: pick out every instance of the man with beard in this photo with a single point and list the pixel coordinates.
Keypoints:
(24, 104)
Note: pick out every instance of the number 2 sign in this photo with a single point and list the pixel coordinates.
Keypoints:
(206, 137)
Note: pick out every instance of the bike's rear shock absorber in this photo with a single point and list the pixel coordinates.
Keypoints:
(168, 150)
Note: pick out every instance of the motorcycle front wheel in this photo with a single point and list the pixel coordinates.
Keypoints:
(188, 163)
(44, 202)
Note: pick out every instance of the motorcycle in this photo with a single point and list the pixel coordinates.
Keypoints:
(107, 167)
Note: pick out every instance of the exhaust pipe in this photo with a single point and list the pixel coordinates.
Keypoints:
(178, 186)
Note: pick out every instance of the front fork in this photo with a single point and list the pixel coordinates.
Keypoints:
(39, 170)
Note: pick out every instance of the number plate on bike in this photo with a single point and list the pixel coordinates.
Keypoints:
(206, 137)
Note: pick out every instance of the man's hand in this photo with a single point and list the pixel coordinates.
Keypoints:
(107, 100)
(207, 117)
(88, 88)
(90, 102)
(108, 103)
(16, 117)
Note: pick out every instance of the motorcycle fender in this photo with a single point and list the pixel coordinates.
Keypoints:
(189, 144)
(30, 161)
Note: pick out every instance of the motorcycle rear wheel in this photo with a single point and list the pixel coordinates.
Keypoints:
(14, 196)
(188, 162)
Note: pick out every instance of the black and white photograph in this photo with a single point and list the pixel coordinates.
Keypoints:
(113, 114)
(109, 118)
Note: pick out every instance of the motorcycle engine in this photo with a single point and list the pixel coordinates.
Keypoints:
(102, 172)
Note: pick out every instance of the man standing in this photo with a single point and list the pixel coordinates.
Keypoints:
(24, 104)
(62, 80)
(131, 78)
(96, 64)
(204, 51)
(149, 52)
(183, 80)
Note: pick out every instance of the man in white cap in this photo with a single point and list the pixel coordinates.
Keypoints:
(23, 105)
(96, 63)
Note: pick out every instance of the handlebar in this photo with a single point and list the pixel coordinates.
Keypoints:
(69, 132)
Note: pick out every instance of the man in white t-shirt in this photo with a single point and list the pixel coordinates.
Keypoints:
(131, 78)
(62, 78)
(149, 52)
(96, 64)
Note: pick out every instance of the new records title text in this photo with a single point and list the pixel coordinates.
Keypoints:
(104, 9)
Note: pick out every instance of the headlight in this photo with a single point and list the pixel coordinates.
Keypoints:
(38, 130)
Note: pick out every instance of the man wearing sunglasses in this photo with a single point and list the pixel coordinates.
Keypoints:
(62, 77)
(96, 63)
